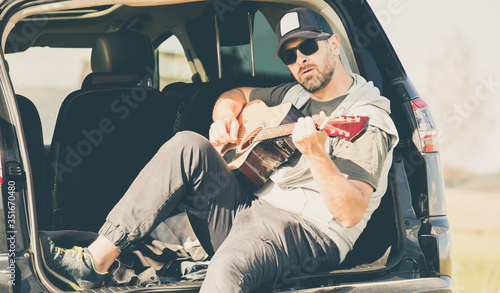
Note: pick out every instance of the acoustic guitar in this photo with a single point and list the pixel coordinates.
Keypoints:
(264, 140)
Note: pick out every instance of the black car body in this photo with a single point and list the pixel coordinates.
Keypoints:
(102, 138)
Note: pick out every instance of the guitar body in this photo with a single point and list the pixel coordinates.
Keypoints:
(257, 160)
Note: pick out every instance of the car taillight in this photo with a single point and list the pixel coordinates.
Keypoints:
(426, 126)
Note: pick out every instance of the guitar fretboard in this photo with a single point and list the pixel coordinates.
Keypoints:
(280, 131)
(275, 132)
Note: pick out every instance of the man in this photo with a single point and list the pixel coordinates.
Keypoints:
(304, 220)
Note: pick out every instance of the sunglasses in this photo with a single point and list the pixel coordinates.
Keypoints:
(306, 47)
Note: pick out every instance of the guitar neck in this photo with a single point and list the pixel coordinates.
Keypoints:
(345, 127)
(279, 131)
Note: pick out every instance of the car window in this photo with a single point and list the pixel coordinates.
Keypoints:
(237, 60)
(173, 65)
(47, 76)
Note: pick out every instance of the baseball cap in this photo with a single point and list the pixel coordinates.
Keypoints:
(300, 23)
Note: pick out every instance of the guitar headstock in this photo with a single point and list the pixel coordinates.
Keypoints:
(346, 127)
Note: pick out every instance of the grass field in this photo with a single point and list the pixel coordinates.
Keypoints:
(475, 226)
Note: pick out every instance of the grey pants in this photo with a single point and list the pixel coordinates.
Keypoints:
(251, 242)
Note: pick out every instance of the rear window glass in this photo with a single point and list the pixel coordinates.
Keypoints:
(47, 76)
(172, 62)
(237, 60)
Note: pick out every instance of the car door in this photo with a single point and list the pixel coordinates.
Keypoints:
(16, 208)
(12, 233)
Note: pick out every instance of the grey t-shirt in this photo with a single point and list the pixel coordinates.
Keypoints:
(273, 96)
(360, 160)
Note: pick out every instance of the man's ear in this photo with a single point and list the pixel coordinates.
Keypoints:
(335, 44)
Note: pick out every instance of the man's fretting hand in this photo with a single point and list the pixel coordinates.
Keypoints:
(307, 138)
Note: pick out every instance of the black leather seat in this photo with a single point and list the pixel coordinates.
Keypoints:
(106, 132)
(193, 102)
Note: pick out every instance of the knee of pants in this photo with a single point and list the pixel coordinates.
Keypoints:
(231, 267)
(186, 140)
(245, 264)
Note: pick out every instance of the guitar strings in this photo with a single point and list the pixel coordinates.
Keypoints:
(287, 129)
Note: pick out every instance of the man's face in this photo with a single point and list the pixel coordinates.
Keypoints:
(315, 71)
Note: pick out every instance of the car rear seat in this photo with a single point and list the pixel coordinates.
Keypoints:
(179, 94)
(194, 102)
(106, 132)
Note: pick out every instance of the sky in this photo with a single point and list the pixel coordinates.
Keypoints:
(449, 50)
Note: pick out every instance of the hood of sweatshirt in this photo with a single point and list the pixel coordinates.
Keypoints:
(364, 99)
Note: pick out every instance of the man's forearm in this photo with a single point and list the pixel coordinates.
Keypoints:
(225, 128)
(345, 199)
(342, 197)
(230, 103)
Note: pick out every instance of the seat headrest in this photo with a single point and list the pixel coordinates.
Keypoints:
(123, 53)
(103, 80)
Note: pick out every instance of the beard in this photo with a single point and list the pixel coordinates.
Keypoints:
(316, 82)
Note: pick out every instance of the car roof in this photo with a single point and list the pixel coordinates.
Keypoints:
(80, 22)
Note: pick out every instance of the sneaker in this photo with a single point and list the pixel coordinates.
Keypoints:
(74, 266)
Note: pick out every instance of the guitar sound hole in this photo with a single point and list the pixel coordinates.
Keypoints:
(249, 140)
